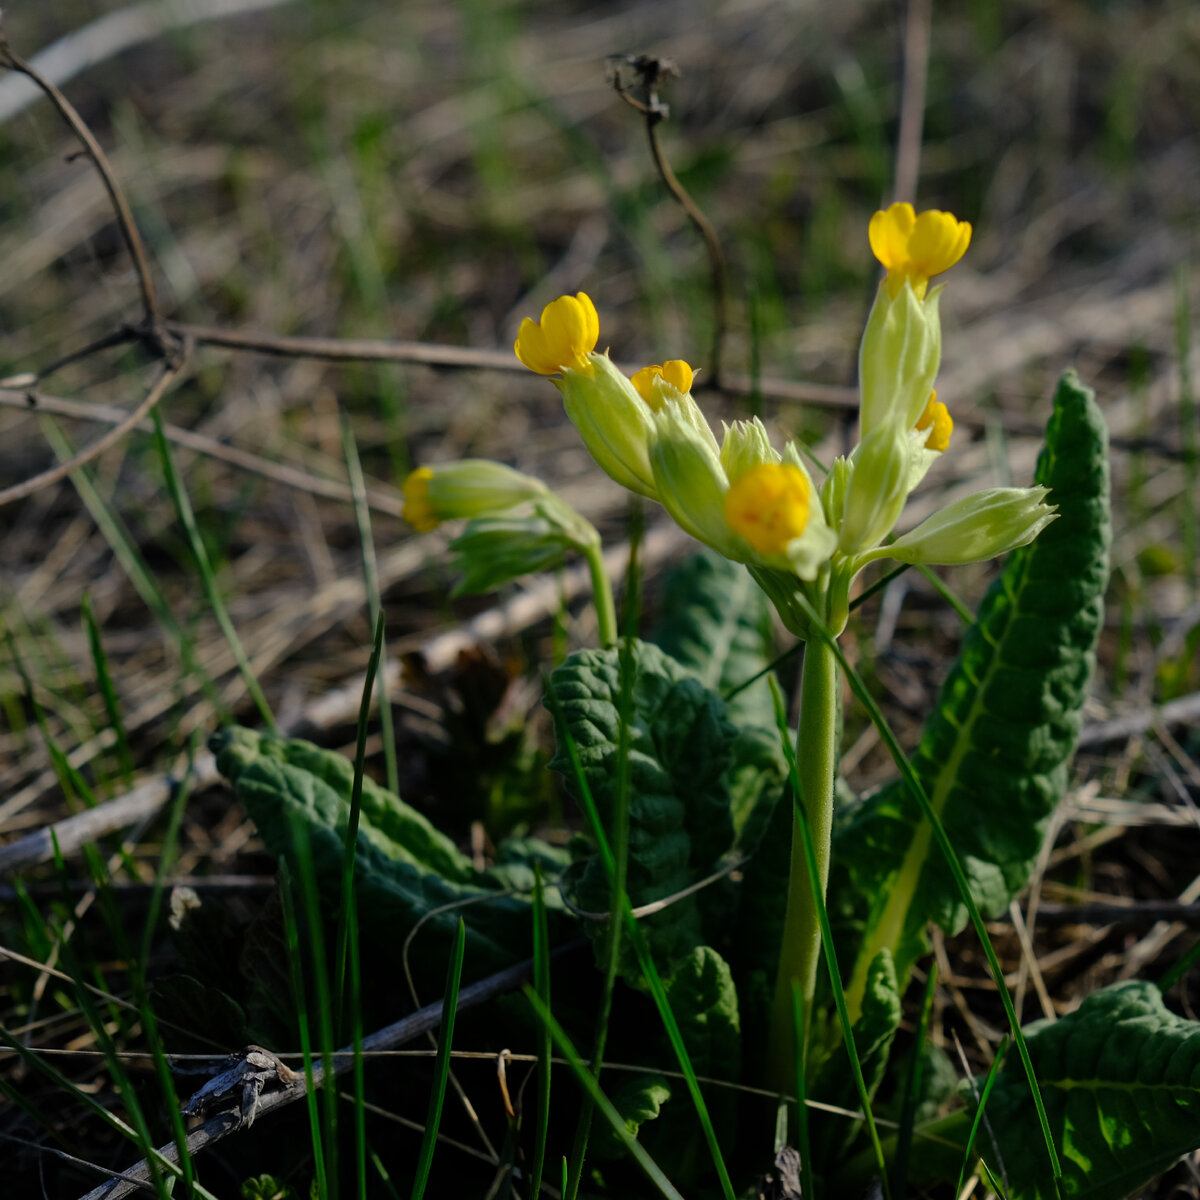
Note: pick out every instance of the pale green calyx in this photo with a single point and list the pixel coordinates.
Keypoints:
(973, 529)
(690, 482)
(877, 489)
(616, 424)
(899, 356)
(744, 445)
(468, 487)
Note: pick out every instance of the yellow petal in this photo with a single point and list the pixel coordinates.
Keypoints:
(768, 506)
(563, 339)
(915, 248)
(418, 511)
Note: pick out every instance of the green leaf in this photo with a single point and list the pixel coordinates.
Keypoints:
(993, 755)
(705, 1005)
(404, 866)
(873, 1034)
(1120, 1077)
(680, 749)
(638, 1100)
(716, 622)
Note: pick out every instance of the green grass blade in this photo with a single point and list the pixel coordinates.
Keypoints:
(1180, 969)
(126, 552)
(441, 1070)
(187, 518)
(592, 1086)
(291, 933)
(1190, 434)
(350, 849)
(356, 1039)
(315, 933)
(975, 1124)
(943, 589)
(107, 691)
(964, 888)
(646, 962)
(541, 980)
(362, 516)
(803, 1144)
(835, 977)
(912, 1089)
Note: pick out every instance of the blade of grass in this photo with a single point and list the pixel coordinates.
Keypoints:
(356, 1031)
(975, 1124)
(641, 949)
(541, 979)
(1180, 969)
(835, 977)
(187, 518)
(107, 691)
(619, 856)
(34, 1060)
(291, 933)
(441, 1070)
(315, 933)
(126, 552)
(807, 1187)
(362, 516)
(1190, 435)
(350, 849)
(964, 888)
(592, 1086)
(912, 1089)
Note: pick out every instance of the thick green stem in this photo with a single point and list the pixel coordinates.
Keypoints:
(602, 594)
(816, 756)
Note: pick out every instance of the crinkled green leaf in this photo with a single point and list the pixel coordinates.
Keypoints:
(716, 622)
(404, 866)
(1120, 1077)
(638, 1100)
(680, 748)
(993, 755)
(834, 1081)
(704, 1002)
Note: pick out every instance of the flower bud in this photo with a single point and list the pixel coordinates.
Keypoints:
(898, 359)
(975, 528)
(470, 487)
(616, 424)
(877, 490)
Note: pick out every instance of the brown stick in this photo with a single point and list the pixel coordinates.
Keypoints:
(124, 214)
(170, 372)
(388, 1038)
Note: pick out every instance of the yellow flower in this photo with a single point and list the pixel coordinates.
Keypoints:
(676, 372)
(937, 416)
(418, 511)
(916, 247)
(769, 506)
(564, 338)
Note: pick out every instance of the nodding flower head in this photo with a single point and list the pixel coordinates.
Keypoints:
(937, 419)
(769, 506)
(915, 248)
(675, 372)
(468, 488)
(563, 339)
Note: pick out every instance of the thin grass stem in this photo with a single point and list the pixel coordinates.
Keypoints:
(441, 1071)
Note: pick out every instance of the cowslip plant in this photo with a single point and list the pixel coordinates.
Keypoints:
(759, 506)
(670, 744)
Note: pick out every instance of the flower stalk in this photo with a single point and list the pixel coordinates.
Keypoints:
(800, 951)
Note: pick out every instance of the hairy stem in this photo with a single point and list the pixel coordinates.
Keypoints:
(816, 754)
(602, 594)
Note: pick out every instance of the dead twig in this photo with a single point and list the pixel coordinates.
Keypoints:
(170, 373)
(651, 72)
(388, 1038)
(129, 231)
